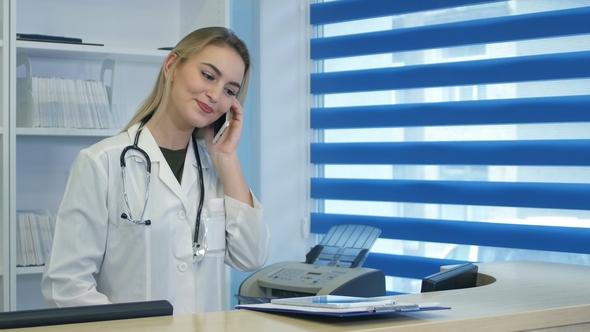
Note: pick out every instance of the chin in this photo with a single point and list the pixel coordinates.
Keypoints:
(198, 122)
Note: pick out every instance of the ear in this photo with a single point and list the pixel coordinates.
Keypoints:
(170, 59)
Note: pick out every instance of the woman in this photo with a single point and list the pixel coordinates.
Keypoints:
(113, 245)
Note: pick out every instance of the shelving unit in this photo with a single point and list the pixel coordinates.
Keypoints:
(36, 161)
(86, 52)
(4, 164)
(65, 132)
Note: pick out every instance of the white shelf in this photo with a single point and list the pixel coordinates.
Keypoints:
(89, 52)
(29, 269)
(66, 132)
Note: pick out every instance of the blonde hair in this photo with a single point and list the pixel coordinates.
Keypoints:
(190, 45)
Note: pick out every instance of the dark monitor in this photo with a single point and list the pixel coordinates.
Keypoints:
(461, 276)
(84, 314)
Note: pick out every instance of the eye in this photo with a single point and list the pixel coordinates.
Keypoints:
(231, 92)
(208, 76)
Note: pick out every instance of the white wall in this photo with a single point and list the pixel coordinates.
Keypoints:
(277, 167)
(284, 124)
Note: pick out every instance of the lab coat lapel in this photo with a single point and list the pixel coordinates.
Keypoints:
(190, 175)
(160, 166)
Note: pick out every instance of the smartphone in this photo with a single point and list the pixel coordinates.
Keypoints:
(220, 126)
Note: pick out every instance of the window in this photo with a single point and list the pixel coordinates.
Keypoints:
(459, 127)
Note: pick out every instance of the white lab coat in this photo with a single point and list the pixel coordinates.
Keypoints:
(98, 257)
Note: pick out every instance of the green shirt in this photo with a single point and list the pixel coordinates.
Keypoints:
(175, 159)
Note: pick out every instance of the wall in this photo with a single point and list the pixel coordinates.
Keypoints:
(275, 156)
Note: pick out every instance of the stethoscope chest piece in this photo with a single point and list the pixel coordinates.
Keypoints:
(199, 251)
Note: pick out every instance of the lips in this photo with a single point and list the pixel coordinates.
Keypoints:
(204, 107)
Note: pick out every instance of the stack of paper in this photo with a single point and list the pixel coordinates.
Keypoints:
(34, 238)
(68, 103)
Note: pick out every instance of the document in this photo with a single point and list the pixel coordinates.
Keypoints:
(335, 301)
(340, 306)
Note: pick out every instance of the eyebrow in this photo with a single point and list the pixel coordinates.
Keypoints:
(218, 72)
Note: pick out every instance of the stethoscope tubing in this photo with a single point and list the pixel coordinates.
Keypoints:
(148, 168)
(198, 249)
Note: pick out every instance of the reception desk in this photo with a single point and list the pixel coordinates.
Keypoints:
(511, 296)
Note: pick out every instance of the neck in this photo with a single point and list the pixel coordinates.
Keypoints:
(167, 135)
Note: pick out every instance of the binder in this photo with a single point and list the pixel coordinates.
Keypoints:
(52, 39)
(48, 38)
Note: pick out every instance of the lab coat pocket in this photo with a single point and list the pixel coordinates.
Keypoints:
(214, 223)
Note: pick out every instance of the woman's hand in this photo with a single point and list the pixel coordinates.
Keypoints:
(224, 155)
(228, 143)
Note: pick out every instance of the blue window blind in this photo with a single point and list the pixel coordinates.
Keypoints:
(460, 128)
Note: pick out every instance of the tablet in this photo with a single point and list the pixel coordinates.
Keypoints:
(334, 301)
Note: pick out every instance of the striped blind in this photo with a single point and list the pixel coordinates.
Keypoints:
(460, 128)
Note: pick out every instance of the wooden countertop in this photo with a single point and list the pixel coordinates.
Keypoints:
(524, 296)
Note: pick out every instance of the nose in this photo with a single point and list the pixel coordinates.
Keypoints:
(214, 92)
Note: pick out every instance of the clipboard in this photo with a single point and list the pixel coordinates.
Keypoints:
(398, 308)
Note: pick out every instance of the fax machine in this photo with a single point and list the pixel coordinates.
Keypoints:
(332, 267)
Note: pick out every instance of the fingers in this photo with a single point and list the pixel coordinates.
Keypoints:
(231, 136)
(236, 111)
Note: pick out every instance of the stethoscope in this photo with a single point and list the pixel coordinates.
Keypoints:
(199, 249)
